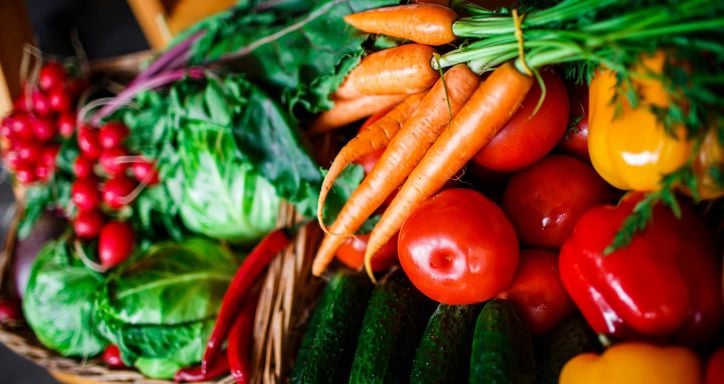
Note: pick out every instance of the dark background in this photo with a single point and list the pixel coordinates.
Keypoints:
(105, 28)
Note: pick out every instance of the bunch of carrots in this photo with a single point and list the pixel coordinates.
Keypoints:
(438, 120)
(437, 126)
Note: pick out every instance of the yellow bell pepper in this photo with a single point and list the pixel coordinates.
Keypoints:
(634, 363)
(631, 150)
(711, 154)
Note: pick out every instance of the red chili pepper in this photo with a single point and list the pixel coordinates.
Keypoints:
(666, 283)
(238, 290)
(195, 374)
(240, 341)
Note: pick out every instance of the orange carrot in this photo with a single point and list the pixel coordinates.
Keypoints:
(429, 24)
(347, 111)
(400, 70)
(402, 154)
(479, 120)
(368, 140)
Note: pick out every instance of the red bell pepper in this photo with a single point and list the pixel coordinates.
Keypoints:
(665, 283)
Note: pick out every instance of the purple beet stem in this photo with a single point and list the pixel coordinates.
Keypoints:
(174, 58)
(157, 81)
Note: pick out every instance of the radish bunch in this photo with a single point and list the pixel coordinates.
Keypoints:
(41, 115)
(107, 179)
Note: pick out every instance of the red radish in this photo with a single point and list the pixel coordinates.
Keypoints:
(43, 172)
(10, 311)
(25, 174)
(87, 224)
(22, 127)
(12, 159)
(41, 105)
(88, 142)
(49, 155)
(83, 167)
(112, 357)
(28, 151)
(51, 75)
(85, 194)
(116, 191)
(112, 134)
(112, 163)
(145, 172)
(59, 100)
(21, 103)
(6, 128)
(44, 130)
(66, 124)
(116, 243)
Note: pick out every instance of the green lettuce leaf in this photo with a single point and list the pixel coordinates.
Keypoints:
(161, 309)
(59, 304)
(300, 50)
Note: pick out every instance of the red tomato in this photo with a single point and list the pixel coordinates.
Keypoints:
(116, 243)
(352, 252)
(575, 141)
(458, 247)
(537, 291)
(545, 201)
(527, 137)
(715, 367)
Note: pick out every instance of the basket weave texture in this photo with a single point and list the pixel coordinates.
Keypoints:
(287, 294)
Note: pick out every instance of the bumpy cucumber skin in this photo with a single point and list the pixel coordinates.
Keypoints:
(502, 347)
(444, 350)
(327, 349)
(391, 330)
(570, 338)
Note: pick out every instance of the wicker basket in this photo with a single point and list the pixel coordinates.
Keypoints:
(288, 292)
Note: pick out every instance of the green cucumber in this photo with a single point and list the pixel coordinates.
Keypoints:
(502, 346)
(444, 350)
(391, 330)
(325, 355)
(570, 338)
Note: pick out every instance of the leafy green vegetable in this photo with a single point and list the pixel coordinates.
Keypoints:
(161, 309)
(222, 197)
(299, 49)
(192, 123)
(59, 305)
